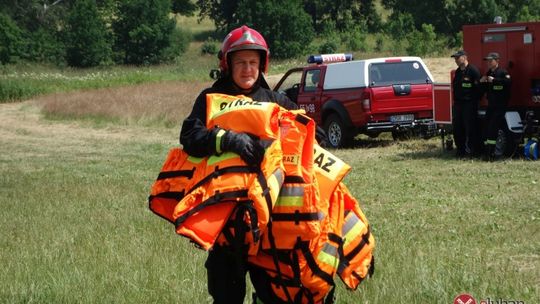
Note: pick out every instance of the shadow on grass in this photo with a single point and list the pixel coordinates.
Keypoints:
(367, 143)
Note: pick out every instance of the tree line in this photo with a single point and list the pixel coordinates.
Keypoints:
(85, 33)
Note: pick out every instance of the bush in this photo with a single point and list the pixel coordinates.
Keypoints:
(422, 43)
(284, 24)
(86, 37)
(143, 29)
(11, 40)
(210, 47)
(178, 44)
(328, 47)
(379, 43)
(44, 45)
(355, 39)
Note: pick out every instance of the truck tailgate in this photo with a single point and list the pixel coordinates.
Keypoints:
(404, 98)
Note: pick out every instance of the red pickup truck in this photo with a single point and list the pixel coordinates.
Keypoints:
(350, 97)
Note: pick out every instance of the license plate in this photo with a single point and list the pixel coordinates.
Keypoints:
(402, 118)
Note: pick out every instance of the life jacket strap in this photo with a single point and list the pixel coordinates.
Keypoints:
(243, 206)
(226, 170)
(177, 195)
(312, 264)
(217, 198)
(176, 173)
(360, 246)
(297, 216)
(294, 179)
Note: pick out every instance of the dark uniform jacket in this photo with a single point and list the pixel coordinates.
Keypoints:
(466, 85)
(199, 141)
(498, 91)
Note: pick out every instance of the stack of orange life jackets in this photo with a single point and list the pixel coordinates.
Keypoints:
(303, 225)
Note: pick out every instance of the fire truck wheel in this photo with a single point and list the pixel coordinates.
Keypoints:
(336, 131)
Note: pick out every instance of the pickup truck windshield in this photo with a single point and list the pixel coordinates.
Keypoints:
(389, 73)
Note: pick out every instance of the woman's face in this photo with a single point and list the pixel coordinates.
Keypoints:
(245, 68)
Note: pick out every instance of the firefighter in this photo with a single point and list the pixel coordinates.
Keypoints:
(496, 83)
(466, 92)
(243, 59)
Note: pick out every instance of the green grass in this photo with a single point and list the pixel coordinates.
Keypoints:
(76, 227)
(21, 82)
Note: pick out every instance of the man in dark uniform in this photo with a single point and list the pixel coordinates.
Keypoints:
(466, 93)
(496, 83)
(243, 60)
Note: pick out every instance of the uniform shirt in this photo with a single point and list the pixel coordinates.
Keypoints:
(498, 91)
(466, 85)
(199, 141)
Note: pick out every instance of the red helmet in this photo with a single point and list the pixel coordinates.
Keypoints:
(243, 38)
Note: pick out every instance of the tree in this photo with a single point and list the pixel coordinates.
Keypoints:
(11, 40)
(422, 42)
(183, 7)
(87, 39)
(447, 16)
(143, 29)
(284, 24)
(221, 12)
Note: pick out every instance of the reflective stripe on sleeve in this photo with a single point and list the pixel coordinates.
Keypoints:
(219, 136)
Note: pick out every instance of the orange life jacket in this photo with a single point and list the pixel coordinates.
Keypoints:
(223, 183)
(297, 213)
(176, 178)
(300, 255)
(228, 182)
(344, 246)
(254, 117)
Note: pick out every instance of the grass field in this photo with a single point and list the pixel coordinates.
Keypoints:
(77, 163)
(76, 227)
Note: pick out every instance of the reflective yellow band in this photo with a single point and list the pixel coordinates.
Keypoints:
(490, 142)
(218, 158)
(219, 135)
(329, 255)
(355, 230)
(498, 87)
(466, 85)
(291, 196)
(290, 201)
(195, 160)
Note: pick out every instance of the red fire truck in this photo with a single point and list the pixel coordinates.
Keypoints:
(518, 45)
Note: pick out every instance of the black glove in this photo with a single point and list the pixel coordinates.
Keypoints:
(248, 147)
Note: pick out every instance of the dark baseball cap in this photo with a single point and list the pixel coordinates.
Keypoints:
(459, 53)
(492, 55)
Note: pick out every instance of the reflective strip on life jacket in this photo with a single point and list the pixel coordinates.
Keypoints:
(358, 243)
(200, 214)
(242, 114)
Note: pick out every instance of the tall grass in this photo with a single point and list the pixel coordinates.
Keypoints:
(76, 227)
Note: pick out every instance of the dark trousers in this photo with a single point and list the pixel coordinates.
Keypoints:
(465, 127)
(226, 273)
(494, 120)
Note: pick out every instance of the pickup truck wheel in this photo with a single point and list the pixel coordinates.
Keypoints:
(336, 131)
